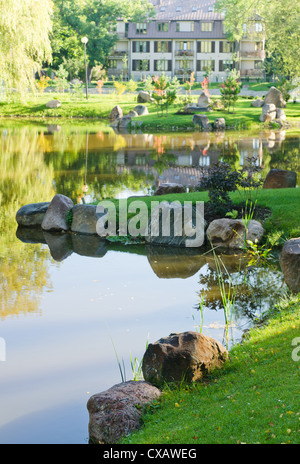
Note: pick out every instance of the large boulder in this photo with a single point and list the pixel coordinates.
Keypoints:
(117, 412)
(141, 110)
(280, 178)
(290, 264)
(268, 113)
(84, 219)
(177, 225)
(274, 96)
(185, 356)
(257, 103)
(219, 124)
(204, 101)
(280, 114)
(53, 104)
(116, 113)
(32, 215)
(202, 121)
(144, 97)
(230, 233)
(55, 217)
(166, 188)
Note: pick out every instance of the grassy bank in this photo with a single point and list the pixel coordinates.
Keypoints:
(100, 106)
(284, 204)
(253, 399)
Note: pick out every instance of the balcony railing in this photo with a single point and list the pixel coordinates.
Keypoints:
(115, 54)
(184, 53)
(257, 54)
(252, 73)
(182, 72)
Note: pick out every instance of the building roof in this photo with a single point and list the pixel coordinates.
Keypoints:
(185, 10)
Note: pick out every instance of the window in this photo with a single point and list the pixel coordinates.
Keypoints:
(141, 46)
(185, 46)
(177, 27)
(226, 65)
(163, 27)
(192, 26)
(113, 64)
(162, 47)
(205, 65)
(227, 47)
(206, 46)
(258, 27)
(206, 27)
(141, 28)
(140, 65)
(244, 28)
(162, 65)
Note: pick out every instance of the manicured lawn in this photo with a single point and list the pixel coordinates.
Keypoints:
(253, 399)
(100, 106)
(284, 204)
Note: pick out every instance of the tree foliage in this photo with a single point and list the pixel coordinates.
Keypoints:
(25, 26)
(96, 20)
(281, 22)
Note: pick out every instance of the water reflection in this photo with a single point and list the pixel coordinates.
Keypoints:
(94, 163)
(62, 296)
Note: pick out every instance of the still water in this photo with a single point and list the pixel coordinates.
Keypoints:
(63, 317)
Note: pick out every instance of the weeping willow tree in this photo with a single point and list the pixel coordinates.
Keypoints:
(25, 26)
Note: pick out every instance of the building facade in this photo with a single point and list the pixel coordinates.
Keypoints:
(186, 36)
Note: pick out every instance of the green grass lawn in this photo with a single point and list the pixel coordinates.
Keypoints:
(254, 398)
(100, 106)
(284, 204)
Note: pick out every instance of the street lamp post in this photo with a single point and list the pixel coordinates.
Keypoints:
(85, 40)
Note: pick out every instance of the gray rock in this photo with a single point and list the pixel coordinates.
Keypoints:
(166, 188)
(53, 104)
(280, 114)
(202, 121)
(268, 113)
(117, 412)
(230, 233)
(132, 114)
(55, 217)
(219, 124)
(116, 113)
(290, 264)
(280, 178)
(124, 122)
(204, 101)
(185, 356)
(172, 224)
(141, 110)
(275, 97)
(144, 97)
(257, 103)
(85, 219)
(32, 215)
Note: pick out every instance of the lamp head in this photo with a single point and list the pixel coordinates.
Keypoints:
(84, 40)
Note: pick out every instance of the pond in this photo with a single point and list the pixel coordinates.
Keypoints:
(64, 319)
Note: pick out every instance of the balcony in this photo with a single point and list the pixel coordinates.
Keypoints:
(117, 54)
(252, 73)
(184, 53)
(255, 54)
(183, 72)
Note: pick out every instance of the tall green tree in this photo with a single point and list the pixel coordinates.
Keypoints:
(74, 19)
(25, 26)
(281, 22)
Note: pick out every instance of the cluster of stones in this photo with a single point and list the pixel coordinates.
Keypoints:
(120, 121)
(187, 356)
(272, 107)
